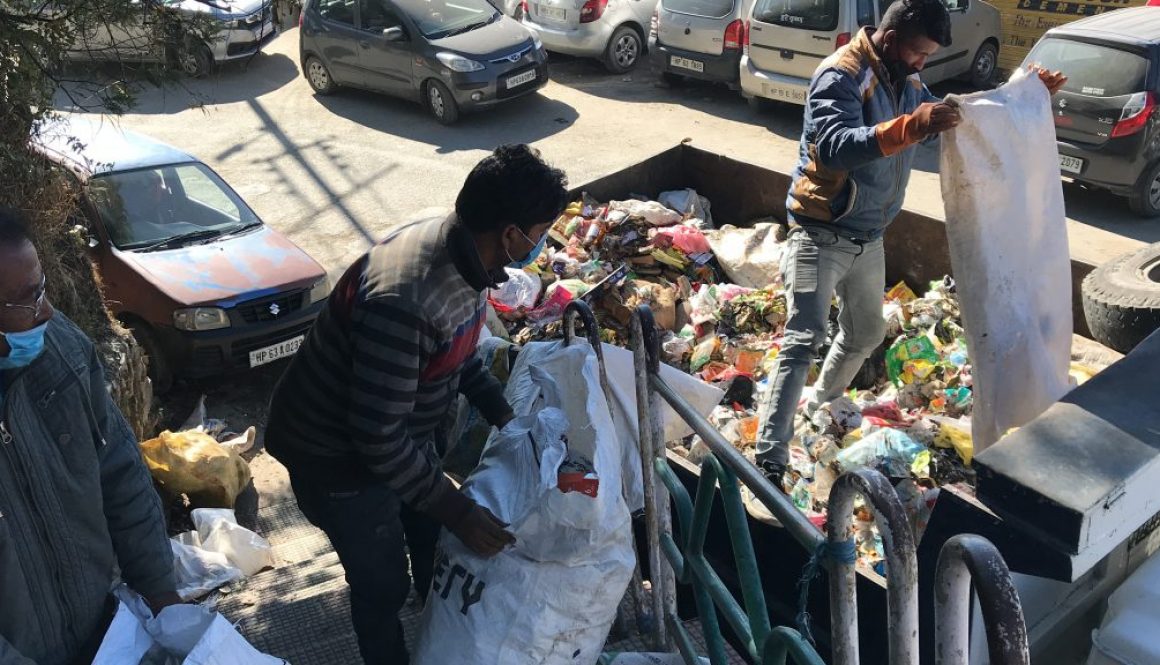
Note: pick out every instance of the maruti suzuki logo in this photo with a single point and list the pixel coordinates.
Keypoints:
(274, 309)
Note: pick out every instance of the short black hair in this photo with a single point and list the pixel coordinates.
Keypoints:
(13, 228)
(512, 185)
(919, 18)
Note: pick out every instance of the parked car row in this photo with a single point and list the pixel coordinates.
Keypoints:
(770, 48)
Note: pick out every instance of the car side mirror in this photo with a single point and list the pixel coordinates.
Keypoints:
(394, 34)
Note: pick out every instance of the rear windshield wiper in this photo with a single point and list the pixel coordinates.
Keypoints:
(181, 238)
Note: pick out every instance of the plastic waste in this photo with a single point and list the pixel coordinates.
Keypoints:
(520, 291)
(693, 207)
(688, 239)
(888, 450)
(650, 211)
(911, 359)
(194, 464)
(703, 353)
(199, 571)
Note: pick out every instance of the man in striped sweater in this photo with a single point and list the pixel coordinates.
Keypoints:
(356, 417)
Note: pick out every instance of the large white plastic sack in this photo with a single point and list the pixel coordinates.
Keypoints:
(178, 635)
(552, 596)
(1008, 244)
(219, 531)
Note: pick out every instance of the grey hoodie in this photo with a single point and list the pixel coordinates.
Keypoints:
(76, 503)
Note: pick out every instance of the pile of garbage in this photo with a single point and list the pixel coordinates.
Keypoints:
(718, 298)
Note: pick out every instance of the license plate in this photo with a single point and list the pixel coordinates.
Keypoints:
(554, 13)
(520, 79)
(1070, 164)
(785, 94)
(686, 63)
(276, 351)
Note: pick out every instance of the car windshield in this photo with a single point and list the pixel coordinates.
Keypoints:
(1092, 69)
(708, 8)
(804, 14)
(437, 19)
(168, 206)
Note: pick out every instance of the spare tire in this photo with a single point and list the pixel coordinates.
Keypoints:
(1121, 299)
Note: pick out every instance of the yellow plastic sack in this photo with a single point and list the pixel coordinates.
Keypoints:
(194, 464)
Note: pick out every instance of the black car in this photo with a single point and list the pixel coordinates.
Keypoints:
(449, 55)
(1105, 120)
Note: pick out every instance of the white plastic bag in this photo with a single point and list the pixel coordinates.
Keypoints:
(199, 571)
(1008, 241)
(552, 597)
(179, 635)
(220, 532)
(522, 289)
(647, 659)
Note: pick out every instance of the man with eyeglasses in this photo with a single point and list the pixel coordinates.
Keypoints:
(76, 501)
(357, 415)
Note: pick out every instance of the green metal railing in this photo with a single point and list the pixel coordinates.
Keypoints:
(765, 645)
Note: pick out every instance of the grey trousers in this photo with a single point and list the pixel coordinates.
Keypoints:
(817, 265)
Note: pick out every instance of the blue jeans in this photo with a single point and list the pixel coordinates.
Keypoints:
(369, 528)
(818, 264)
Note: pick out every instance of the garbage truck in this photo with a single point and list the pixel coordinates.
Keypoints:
(1071, 500)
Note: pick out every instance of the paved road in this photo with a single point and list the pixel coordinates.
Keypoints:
(335, 172)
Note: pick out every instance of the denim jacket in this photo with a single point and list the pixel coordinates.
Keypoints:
(843, 178)
(76, 504)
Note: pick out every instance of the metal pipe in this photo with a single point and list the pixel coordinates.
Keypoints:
(785, 642)
(653, 506)
(964, 558)
(774, 499)
(901, 568)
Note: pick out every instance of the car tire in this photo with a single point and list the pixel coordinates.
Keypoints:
(984, 66)
(195, 60)
(624, 50)
(160, 371)
(1145, 197)
(318, 76)
(1121, 299)
(440, 102)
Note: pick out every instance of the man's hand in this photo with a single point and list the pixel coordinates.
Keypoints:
(935, 118)
(483, 532)
(163, 600)
(1053, 80)
(928, 119)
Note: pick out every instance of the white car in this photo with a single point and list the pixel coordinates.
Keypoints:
(245, 27)
(786, 40)
(615, 31)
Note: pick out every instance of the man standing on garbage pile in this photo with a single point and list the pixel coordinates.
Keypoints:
(356, 417)
(865, 112)
(76, 501)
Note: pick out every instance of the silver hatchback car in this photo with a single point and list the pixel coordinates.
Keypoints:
(701, 39)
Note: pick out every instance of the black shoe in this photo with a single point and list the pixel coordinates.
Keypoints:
(773, 472)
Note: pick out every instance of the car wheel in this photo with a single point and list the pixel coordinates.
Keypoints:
(195, 60)
(623, 51)
(1145, 197)
(441, 103)
(985, 65)
(160, 372)
(1121, 299)
(319, 76)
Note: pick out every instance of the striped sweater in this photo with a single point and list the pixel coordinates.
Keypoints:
(364, 397)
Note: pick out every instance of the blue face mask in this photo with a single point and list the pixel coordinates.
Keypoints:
(24, 347)
(532, 255)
